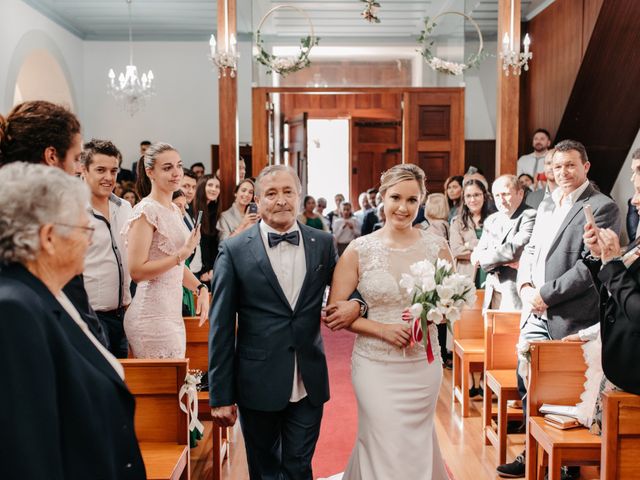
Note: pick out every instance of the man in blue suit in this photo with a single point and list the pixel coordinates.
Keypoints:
(272, 367)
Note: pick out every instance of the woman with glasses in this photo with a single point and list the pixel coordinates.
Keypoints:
(466, 228)
(65, 410)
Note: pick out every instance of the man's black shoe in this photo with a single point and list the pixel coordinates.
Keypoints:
(516, 426)
(515, 469)
(474, 392)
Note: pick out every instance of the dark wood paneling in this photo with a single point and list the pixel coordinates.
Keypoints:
(425, 139)
(434, 122)
(560, 34)
(482, 155)
(436, 168)
(603, 111)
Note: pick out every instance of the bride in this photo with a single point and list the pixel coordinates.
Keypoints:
(396, 387)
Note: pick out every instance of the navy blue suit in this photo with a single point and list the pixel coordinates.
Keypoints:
(65, 414)
(254, 367)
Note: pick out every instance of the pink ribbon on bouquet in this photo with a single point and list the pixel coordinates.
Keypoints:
(416, 332)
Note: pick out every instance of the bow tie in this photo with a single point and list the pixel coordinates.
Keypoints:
(292, 237)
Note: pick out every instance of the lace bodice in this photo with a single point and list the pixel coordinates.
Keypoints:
(380, 270)
(153, 322)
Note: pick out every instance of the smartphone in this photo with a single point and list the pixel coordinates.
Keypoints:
(253, 208)
(588, 213)
(198, 220)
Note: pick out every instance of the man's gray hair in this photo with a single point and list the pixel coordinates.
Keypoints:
(31, 196)
(272, 170)
(510, 179)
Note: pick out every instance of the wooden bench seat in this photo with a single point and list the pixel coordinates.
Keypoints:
(163, 460)
(198, 354)
(620, 456)
(161, 426)
(502, 330)
(556, 377)
(468, 351)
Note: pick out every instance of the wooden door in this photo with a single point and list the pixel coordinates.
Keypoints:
(376, 145)
(434, 134)
(297, 147)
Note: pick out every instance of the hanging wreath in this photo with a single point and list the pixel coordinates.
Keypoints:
(447, 66)
(286, 65)
(369, 12)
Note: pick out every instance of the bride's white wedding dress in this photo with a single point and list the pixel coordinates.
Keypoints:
(396, 389)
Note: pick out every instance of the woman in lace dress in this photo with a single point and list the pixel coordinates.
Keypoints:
(158, 242)
(396, 388)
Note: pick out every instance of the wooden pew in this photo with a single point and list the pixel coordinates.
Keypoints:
(198, 354)
(468, 351)
(620, 456)
(161, 427)
(556, 377)
(502, 330)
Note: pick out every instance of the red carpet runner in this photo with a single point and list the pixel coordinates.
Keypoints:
(340, 419)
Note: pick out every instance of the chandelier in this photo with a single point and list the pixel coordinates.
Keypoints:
(130, 89)
(514, 61)
(225, 59)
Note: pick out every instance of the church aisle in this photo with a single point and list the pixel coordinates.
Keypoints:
(464, 452)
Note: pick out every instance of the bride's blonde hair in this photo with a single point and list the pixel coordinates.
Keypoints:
(402, 173)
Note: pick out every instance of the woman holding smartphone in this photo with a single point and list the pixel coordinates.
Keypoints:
(240, 215)
(158, 243)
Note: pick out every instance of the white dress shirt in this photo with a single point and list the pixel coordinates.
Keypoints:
(343, 233)
(106, 276)
(289, 264)
(73, 313)
(548, 221)
(531, 164)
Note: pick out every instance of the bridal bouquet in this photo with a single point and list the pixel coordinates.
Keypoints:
(437, 296)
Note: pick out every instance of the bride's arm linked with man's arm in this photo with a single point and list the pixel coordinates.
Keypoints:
(345, 282)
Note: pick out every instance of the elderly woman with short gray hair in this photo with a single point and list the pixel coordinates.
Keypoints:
(66, 412)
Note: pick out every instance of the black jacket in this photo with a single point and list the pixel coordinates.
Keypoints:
(65, 414)
(620, 322)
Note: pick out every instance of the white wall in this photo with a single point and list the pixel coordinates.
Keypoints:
(23, 30)
(184, 110)
(480, 96)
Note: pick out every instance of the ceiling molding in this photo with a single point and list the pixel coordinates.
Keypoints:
(55, 17)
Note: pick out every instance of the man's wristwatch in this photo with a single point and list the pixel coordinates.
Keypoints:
(363, 307)
(202, 285)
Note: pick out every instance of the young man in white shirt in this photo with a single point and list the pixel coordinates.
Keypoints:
(533, 163)
(106, 276)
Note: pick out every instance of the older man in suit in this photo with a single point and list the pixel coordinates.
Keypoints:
(558, 293)
(504, 237)
(272, 365)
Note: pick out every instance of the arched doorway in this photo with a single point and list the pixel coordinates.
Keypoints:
(41, 78)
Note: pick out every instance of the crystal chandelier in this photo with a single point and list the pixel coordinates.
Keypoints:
(514, 61)
(130, 89)
(227, 58)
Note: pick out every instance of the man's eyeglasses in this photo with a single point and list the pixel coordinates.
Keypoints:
(88, 230)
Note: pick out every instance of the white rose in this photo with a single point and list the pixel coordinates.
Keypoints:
(416, 310)
(434, 315)
(428, 283)
(442, 263)
(454, 315)
(445, 293)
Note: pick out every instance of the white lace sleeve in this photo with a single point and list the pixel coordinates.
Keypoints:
(155, 218)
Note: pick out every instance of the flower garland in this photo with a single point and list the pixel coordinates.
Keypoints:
(369, 12)
(446, 66)
(285, 65)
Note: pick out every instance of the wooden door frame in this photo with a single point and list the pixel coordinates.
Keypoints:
(260, 102)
